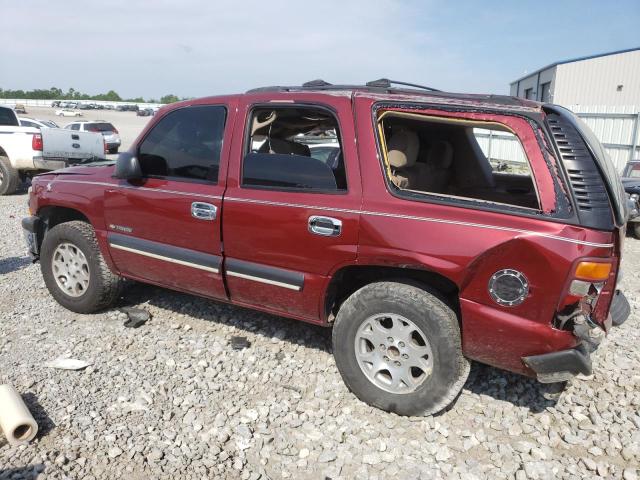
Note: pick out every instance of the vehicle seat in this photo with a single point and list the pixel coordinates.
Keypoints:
(284, 147)
(436, 173)
(402, 152)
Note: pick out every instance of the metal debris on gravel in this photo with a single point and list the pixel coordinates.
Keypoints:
(136, 317)
(172, 400)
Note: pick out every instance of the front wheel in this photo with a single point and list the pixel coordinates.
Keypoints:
(74, 270)
(398, 347)
(636, 229)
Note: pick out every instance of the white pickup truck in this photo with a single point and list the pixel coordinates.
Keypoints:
(25, 151)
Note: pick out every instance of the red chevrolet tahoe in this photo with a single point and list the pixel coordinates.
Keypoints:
(426, 228)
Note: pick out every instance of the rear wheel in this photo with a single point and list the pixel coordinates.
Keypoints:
(113, 150)
(398, 348)
(636, 229)
(75, 271)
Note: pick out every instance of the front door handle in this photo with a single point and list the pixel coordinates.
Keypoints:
(203, 211)
(325, 226)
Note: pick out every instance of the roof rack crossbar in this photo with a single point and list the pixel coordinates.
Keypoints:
(386, 83)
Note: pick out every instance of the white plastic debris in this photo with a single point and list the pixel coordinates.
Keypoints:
(16, 422)
(68, 364)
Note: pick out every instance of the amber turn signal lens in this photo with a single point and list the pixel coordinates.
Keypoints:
(593, 270)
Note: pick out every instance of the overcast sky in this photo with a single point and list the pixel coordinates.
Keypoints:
(206, 47)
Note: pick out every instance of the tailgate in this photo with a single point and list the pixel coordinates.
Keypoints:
(71, 144)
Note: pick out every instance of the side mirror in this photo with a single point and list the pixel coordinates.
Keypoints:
(128, 167)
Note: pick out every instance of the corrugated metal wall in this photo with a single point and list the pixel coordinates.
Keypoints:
(606, 80)
(617, 128)
(500, 146)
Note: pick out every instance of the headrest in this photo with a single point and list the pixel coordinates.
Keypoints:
(403, 148)
(263, 121)
(285, 147)
(440, 154)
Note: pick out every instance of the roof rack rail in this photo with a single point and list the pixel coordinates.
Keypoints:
(386, 83)
(319, 84)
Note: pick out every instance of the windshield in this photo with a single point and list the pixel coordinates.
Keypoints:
(100, 127)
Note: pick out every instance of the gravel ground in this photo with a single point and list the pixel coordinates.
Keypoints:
(172, 399)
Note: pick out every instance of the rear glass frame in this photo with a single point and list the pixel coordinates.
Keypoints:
(563, 214)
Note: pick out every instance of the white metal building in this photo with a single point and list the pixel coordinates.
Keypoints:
(603, 90)
(607, 79)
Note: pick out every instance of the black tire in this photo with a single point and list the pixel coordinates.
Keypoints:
(113, 150)
(104, 286)
(9, 177)
(636, 229)
(439, 324)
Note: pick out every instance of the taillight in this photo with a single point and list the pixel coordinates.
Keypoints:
(588, 292)
(36, 142)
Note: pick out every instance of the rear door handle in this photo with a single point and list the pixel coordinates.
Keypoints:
(203, 211)
(325, 226)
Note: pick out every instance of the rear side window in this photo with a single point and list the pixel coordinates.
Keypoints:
(294, 148)
(185, 144)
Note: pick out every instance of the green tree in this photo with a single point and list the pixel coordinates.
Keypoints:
(169, 99)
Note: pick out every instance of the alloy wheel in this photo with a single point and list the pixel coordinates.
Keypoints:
(70, 269)
(393, 353)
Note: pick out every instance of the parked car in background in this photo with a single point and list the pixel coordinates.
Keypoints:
(145, 112)
(20, 108)
(65, 112)
(55, 104)
(410, 245)
(631, 182)
(26, 150)
(32, 122)
(127, 108)
(109, 132)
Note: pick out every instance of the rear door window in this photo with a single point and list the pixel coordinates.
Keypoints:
(294, 148)
(185, 144)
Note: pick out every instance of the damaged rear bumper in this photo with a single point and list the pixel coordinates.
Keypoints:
(565, 364)
(560, 366)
